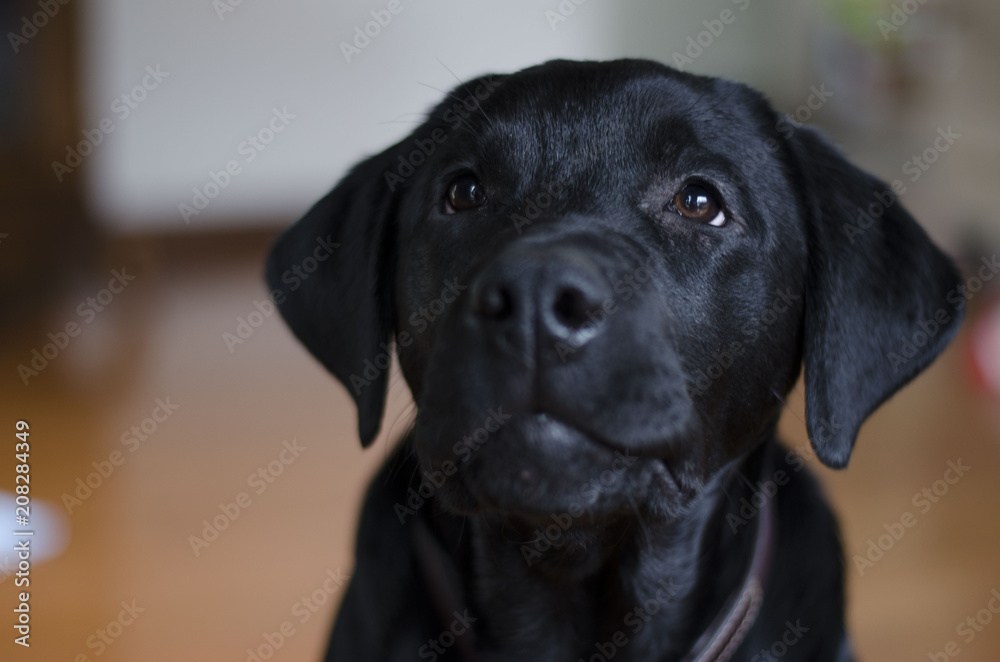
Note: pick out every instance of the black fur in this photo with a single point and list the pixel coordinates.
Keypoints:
(633, 361)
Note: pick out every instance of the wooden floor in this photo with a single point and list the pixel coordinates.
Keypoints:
(130, 540)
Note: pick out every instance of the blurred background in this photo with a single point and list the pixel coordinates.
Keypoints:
(149, 151)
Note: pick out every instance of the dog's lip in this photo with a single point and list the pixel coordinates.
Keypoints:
(544, 416)
(654, 473)
(660, 466)
(663, 471)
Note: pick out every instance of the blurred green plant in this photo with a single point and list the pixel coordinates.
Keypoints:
(860, 18)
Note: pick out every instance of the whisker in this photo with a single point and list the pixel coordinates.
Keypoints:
(479, 106)
(638, 516)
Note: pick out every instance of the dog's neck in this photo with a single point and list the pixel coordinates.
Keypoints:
(633, 587)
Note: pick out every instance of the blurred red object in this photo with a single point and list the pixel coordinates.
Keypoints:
(984, 349)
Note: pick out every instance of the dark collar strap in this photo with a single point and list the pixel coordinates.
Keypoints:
(724, 636)
(716, 644)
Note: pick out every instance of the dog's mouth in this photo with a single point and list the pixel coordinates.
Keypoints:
(535, 466)
(547, 388)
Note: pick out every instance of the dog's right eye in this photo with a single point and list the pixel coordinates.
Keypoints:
(464, 193)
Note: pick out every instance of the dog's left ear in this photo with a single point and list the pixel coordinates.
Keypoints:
(876, 312)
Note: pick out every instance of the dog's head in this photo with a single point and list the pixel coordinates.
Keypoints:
(602, 279)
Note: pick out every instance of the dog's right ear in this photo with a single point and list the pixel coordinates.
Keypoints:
(330, 275)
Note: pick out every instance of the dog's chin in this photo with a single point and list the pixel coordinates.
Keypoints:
(541, 470)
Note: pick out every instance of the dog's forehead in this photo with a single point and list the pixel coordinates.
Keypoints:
(605, 114)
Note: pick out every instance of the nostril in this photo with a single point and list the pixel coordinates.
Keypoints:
(493, 302)
(570, 308)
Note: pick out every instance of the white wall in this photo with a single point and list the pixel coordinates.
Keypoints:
(227, 74)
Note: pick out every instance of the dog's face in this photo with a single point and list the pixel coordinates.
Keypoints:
(651, 215)
(602, 279)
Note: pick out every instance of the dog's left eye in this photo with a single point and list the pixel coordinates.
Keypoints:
(698, 203)
(464, 192)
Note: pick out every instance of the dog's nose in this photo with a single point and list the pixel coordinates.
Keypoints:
(550, 295)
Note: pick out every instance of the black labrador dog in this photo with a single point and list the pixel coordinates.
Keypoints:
(601, 280)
